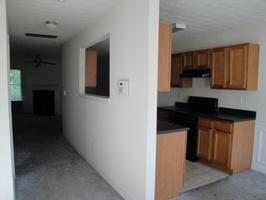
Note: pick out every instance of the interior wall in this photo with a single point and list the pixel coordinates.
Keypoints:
(43, 78)
(250, 100)
(117, 136)
(6, 151)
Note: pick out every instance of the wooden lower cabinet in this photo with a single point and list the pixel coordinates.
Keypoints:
(221, 148)
(170, 164)
(226, 145)
(205, 138)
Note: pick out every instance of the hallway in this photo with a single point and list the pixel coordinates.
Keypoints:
(48, 168)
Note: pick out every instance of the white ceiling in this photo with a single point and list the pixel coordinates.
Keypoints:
(200, 16)
(30, 16)
(211, 16)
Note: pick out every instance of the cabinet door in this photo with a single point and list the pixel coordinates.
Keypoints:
(165, 54)
(222, 148)
(219, 61)
(205, 141)
(176, 70)
(189, 60)
(202, 59)
(237, 67)
(170, 164)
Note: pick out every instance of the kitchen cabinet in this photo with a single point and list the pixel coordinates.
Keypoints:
(219, 68)
(226, 145)
(170, 164)
(189, 60)
(205, 141)
(221, 148)
(165, 54)
(176, 71)
(202, 59)
(235, 67)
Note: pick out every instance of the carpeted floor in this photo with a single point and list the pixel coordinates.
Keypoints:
(47, 168)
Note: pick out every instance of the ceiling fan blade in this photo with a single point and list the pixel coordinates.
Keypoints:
(48, 63)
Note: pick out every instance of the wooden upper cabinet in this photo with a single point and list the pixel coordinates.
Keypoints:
(189, 60)
(202, 59)
(176, 70)
(235, 67)
(165, 53)
(218, 63)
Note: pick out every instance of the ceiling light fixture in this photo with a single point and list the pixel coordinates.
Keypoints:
(51, 25)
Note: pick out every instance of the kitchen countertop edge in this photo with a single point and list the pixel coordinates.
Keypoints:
(218, 115)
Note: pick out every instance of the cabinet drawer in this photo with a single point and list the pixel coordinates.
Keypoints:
(205, 122)
(223, 126)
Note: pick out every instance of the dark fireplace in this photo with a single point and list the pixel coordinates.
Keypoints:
(44, 102)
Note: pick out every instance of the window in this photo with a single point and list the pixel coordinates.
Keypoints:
(97, 69)
(15, 85)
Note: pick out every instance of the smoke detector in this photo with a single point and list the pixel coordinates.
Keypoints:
(178, 27)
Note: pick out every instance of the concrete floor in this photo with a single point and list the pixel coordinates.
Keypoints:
(47, 168)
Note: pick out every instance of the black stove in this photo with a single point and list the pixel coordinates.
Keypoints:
(186, 114)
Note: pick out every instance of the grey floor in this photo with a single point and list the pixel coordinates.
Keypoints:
(47, 168)
(249, 185)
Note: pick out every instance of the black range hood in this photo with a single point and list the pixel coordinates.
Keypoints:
(196, 73)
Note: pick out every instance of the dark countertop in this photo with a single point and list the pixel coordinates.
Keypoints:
(228, 114)
(166, 127)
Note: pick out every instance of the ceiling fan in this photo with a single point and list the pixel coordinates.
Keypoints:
(38, 61)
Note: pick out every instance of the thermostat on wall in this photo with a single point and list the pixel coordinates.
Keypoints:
(123, 87)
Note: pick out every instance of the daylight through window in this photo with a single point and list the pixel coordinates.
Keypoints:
(15, 85)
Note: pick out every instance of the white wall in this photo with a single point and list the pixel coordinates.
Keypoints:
(42, 78)
(254, 100)
(6, 152)
(118, 136)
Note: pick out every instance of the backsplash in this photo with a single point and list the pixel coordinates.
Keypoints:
(246, 100)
